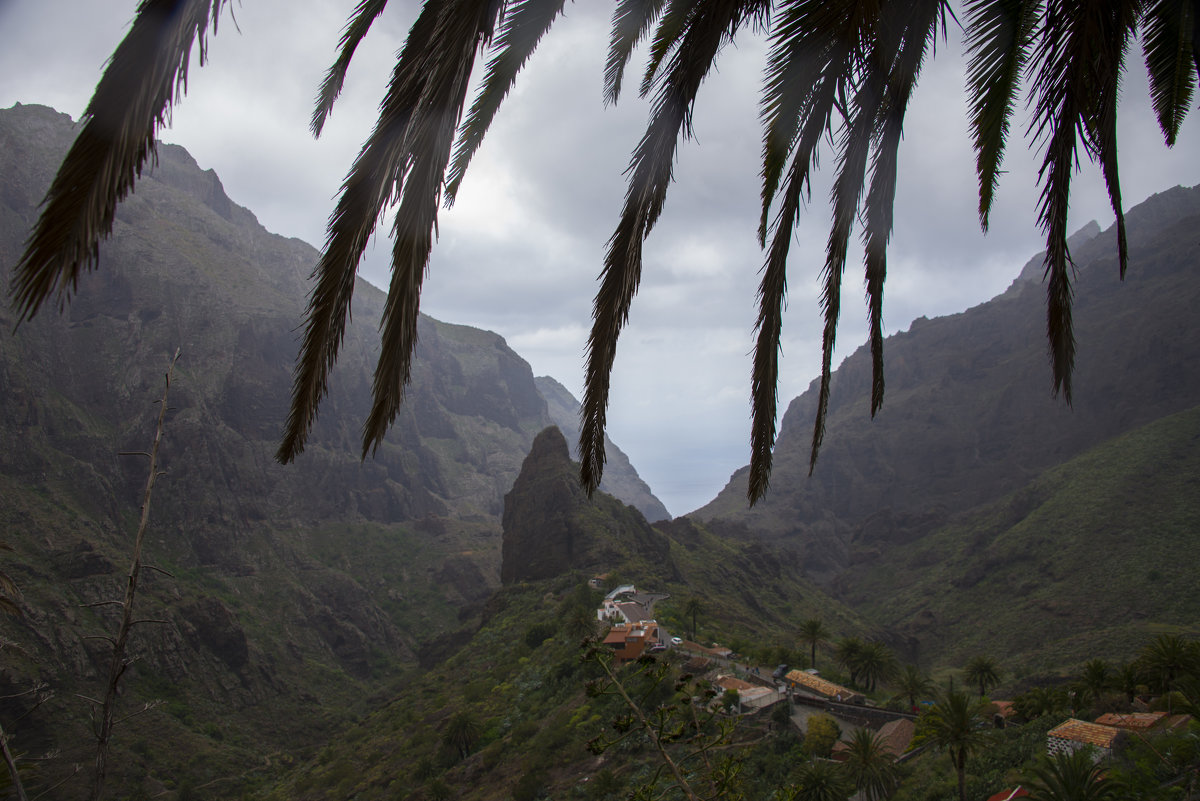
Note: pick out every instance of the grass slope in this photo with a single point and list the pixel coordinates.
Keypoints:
(1091, 559)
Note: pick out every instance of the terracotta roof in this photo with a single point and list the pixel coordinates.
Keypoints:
(615, 636)
(819, 685)
(734, 683)
(1009, 795)
(1003, 708)
(1081, 731)
(1138, 721)
(896, 735)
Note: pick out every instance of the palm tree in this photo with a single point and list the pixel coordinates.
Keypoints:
(912, 684)
(871, 766)
(691, 608)
(1166, 658)
(849, 651)
(876, 663)
(832, 65)
(1128, 680)
(1070, 776)
(955, 724)
(983, 672)
(820, 780)
(1097, 679)
(1041, 701)
(813, 633)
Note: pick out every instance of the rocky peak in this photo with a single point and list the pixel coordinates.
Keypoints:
(551, 526)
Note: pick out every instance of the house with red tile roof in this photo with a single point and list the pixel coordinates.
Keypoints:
(1132, 721)
(1074, 734)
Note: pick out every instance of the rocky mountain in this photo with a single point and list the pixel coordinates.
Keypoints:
(969, 416)
(289, 593)
(552, 528)
(620, 479)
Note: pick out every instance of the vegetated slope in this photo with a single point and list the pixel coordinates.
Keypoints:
(1092, 559)
(294, 592)
(969, 415)
(519, 686)
(620, 478)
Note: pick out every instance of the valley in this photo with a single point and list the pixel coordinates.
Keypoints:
(318, 630)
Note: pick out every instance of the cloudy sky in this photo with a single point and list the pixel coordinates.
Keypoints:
(520, 252)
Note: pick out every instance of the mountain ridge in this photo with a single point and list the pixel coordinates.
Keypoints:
(968, 415)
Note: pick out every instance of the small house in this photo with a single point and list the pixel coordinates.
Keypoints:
(1074, 734)
(629, 641)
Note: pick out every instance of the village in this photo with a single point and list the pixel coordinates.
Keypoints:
(746, 690)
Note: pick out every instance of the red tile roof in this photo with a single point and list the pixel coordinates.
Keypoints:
(1008, 795)
(1081, 731)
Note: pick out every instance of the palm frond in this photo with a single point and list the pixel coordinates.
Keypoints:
(631, 23)
(809, 50)
(1168, 35)
(855, 148)
(525, 23)
(1057, 118)
(673, 24)
(915, 29)
(372, 183)
(812, 121)
(353, 34)
(1117, 24)
(463, 28)
(999, 37)
(649, 178)
(144, 77)
(1079, 54)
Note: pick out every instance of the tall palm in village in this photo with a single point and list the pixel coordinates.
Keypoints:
(911, 684)
(955, 724)
(983, 673)
(1071, 776)
(813, 633)
(875, 663)
(848, 651)
(871, 766)
(819, 780)
(840, 74)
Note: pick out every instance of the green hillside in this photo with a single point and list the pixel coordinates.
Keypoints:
(1091, 559)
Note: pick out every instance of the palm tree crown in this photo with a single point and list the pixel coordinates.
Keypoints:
(982, 672)
(839, 74)
(813, 632)
(955, 724)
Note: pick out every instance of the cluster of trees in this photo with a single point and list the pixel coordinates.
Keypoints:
(1168, 667)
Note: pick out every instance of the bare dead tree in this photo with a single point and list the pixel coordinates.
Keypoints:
(119, 662)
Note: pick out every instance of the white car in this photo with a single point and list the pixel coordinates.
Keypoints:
(676, 641)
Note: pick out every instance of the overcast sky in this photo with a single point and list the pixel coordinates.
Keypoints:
(520, 252)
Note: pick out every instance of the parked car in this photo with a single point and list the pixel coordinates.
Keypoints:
(676, 641)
